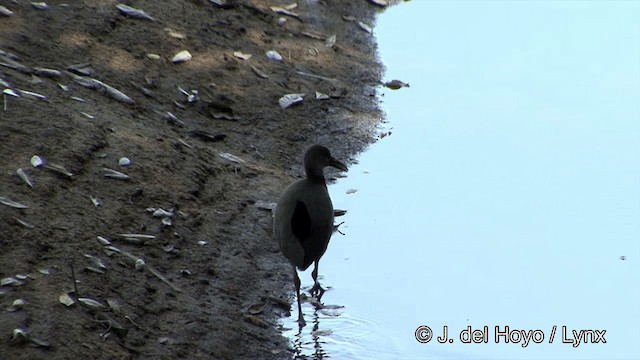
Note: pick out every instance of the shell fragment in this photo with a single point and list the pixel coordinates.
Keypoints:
(58, 169)
(274, 55)
(6, 12)
(104, 240)
(94, 84)
(24, 176)
(290, 99)
(95, 201)
(134, 13)
(40, 5)
(52, 73)
(162, 213)
(241, 55)
(117, 94)
(259, 72)
(90, 303)
(66, 299)
(366, 27)
(36, 161)
(9, 202)
(124, 161)
(321, 96)
(10, 92)
(181, 57)
(31, 95)
(113, 174)
(284, 11)
(331, 40)
(231, 158)
(10, 281)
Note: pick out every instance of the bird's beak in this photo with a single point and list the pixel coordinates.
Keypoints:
(337, 164)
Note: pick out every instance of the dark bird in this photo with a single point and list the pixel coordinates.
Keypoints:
(303, 221)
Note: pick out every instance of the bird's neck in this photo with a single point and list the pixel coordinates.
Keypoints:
(315, 175)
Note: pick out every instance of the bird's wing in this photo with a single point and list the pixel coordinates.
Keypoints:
(301, 222)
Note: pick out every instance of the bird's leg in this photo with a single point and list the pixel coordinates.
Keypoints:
(296, 282)
(316, 290)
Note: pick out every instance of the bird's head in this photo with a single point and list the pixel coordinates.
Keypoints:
(317, 158)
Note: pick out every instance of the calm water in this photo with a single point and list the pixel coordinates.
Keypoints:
(507, 195)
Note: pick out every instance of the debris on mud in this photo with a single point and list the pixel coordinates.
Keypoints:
(170, 85)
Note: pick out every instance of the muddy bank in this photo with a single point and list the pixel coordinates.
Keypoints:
(185, 290)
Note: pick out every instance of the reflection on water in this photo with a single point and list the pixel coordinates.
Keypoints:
(332, 331)
(310, 348)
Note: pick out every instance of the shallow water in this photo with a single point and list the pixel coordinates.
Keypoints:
(507, 194)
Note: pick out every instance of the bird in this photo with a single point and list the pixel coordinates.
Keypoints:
(303, 219)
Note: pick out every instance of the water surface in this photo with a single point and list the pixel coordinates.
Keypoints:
(507, 195)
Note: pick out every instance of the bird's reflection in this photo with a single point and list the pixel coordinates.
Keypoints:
(300, 341)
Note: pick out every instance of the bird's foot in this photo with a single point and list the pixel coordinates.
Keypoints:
(317, 291)
(301, 322)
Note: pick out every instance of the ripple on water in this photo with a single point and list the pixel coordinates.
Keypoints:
(332, 332)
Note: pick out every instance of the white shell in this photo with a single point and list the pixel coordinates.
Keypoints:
(366, 27)
(91, 303)
(31, 95)
(40, 5)
(24, 176)
(96, 202)
(153, 56)
(241, 55)
(175, 34)
(117, 94)
(321, 96)
(290, 99)
(19, 333)
(66, 300)
(331, 40)
(9, 202)
(59, 169)
(10, 92)
(381, 3)
(138, 236)
(4, 11)
(282, 21)
(181, 57)
(162, 213)
(115, 174)
(10, 281)
(133, 12)
(140, 264)
(231, 158)
(124, 161)
(104, 240)
(273, 55)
